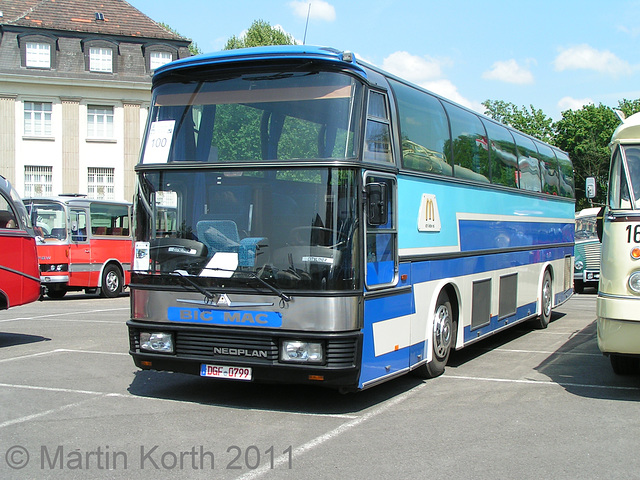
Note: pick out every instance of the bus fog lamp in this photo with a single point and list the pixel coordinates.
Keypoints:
(634, 282)
(156, 342)
(301, 352)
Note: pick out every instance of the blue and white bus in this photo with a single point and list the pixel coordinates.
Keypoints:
(335, 224)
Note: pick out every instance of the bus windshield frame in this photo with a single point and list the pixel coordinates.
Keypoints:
(262, 114)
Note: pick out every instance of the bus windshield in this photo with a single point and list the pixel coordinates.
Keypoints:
(586, 228)
(294, 228)
(624, 182)
(272, 115)
(48, 219)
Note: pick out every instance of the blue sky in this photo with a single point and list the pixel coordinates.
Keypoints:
(554, 55)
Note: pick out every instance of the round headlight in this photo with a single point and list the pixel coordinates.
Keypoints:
(634, 282)
(579, 265)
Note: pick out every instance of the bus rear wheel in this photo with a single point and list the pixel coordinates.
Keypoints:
(442, 338)
(546, 302)
(111, 282)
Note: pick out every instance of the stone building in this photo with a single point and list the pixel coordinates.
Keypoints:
(75, 83)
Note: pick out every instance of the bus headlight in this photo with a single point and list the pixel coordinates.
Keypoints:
(579, 265)
(634, 282)
(301, 352)
(159, 342)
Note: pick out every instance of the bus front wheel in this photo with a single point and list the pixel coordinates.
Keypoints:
(442, 338)
(111, 282)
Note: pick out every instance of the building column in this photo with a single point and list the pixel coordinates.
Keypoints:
(8, 137)
(131, 147)
(70, 145)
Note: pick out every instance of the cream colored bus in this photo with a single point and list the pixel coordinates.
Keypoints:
(618, 304)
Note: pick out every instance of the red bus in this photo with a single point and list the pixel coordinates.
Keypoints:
(83, 244)
(19, 278)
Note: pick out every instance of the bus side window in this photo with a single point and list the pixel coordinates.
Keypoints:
(7, 217)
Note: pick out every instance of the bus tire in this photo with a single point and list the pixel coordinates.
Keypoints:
(442, 338)
(546, 302)
(111, 282)
(578, 286)
(623, 365)
(56, 293)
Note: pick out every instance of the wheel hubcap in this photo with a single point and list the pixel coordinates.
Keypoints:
(112, 281)
(442, 328)
(546, 298)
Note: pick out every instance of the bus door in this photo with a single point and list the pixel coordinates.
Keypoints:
(387, 310)
(79, 249)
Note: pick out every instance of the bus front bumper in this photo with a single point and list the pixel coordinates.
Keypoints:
(194, 347)
(618, 325)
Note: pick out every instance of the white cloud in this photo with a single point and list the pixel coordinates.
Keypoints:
(509, 71)
(412, 67)
(320, 10)
(585, 57)
(427, 72)
(569, 103)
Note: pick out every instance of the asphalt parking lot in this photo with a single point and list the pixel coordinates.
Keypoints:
(522, 404)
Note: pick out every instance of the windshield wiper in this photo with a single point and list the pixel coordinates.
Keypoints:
(283, 296)
(204, 292)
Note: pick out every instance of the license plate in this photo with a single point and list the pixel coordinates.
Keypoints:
(225, 371)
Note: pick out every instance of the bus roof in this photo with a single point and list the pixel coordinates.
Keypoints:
(289, 52)
(628, 131)
(588, 212)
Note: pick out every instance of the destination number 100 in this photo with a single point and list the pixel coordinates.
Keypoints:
(636, 234)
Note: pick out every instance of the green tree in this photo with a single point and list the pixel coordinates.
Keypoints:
(585, 135)
(629, 107)
(260, 33)
(528, 120)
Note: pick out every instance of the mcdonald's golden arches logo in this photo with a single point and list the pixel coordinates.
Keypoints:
(429, 216)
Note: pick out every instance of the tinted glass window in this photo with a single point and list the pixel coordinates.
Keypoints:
(565, 178)
(426, 145)
(470, 145)
(548, 169)
(504, 161)
(528, 163)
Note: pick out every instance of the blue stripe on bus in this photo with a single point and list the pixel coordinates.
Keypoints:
(489, 234)
(456, 267)
(454, 199)
(495, 323)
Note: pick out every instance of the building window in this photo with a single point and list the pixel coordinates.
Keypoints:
(38, 181)
(38, 55)
(37, 119)
(101, 59)
(157, 59)
(99, 122)
(100, 183)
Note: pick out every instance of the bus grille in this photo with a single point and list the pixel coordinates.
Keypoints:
(592, 256)
(341, 352)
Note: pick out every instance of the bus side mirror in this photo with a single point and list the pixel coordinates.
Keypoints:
(590, 187)
(377, 213)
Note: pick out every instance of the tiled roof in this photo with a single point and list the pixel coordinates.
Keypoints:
(120, 18)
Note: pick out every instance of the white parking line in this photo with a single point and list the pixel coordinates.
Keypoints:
(345, 427)
(59, 350)
(540, 382)
(544, 352)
